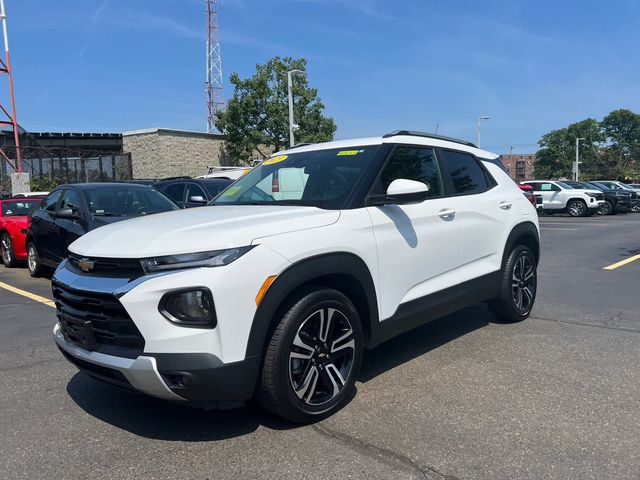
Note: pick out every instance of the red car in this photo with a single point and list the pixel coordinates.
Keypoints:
(14, 222)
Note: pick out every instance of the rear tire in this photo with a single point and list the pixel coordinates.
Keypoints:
(34, 264)
(8, 252)
(577, 208)
(313, 357)
(518, 287)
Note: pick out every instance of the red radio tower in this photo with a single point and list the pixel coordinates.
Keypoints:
(11, 119)
(215, 94)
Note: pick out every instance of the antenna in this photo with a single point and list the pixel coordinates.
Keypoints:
(214, 83)
(11, 119)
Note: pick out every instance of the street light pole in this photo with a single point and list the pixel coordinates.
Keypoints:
(478, 128)
(292, 126)
(576, 167)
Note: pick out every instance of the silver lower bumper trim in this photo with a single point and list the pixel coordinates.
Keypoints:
(142, 372)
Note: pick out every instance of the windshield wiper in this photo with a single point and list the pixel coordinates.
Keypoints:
(108, 214)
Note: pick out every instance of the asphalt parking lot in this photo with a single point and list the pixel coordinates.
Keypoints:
(553, 397)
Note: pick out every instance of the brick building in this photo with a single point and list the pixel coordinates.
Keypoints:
(521, 166)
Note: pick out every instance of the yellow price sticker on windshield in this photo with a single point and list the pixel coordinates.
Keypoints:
(230, 191)
(349, 153)
(278, 159)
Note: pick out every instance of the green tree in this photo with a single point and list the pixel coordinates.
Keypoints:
(622, 131)
(256, 120)
(558, 149)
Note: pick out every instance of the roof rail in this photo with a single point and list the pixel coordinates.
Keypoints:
(413, 133)
(300, 145)
(182, 177)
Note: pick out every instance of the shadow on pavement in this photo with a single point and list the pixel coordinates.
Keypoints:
(161, 420)
(422, 340)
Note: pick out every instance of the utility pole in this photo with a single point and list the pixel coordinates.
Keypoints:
(515, 174)
(292, 126)
(576, 165)
(478, 127)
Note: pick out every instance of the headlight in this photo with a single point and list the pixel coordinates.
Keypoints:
(215, 258)
(191, 307)
(592, 194)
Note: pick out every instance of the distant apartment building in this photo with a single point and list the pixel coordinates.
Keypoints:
(521, 166)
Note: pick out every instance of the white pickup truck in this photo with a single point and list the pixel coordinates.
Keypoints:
(560, 197)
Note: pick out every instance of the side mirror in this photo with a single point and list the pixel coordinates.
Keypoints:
(401, 192)
(197, 199)
(66, 213)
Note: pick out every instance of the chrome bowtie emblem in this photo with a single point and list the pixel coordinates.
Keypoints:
(86, 265)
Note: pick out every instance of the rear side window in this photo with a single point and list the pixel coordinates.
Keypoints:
(466, 175)
(411, 163)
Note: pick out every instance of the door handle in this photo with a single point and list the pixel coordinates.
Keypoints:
(446, 213)
(505, 205)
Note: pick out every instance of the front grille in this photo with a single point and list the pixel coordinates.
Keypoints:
(599, 196)
(109, 267)
(96, 322)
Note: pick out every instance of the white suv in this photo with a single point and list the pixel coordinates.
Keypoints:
(561, 197)
(271, 298)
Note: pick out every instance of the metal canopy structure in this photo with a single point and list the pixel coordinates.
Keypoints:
(214, 82)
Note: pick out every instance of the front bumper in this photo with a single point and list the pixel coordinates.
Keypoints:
(200, 379)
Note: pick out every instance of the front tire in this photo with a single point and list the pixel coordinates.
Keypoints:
(577, 208)
(8, 253)
(312, 358)
(34, 264)
(518, 287)
(607, 208)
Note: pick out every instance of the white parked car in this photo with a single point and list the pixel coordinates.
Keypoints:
(561, 197)
(232, 173)
(276, 296)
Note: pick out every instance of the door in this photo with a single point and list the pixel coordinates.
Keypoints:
(484, 211)
(42, 225)
(68, 230)
(551, 196)
(419, 243)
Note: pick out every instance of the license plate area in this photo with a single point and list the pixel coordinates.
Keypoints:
(78, 331)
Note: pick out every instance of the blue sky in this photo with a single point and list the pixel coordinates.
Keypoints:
(117, 65)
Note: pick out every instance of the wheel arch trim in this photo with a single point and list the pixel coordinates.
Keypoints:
(305, 272)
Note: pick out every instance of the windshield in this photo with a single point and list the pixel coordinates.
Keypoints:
(565, 185)
(11, 208)
(319, 178)
(596, 186)
(216, 186)
(125, 202)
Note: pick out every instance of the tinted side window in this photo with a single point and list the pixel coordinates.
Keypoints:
(175, 192)
(411, 163)
(49, 204)
(467, 176)
(71, 200)
(194, 190)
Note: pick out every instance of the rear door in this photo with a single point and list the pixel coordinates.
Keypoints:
(419, 243)
(484, 212)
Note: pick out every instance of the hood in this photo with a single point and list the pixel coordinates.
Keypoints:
(198, 230)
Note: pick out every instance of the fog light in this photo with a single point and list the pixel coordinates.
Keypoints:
(189, 307)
